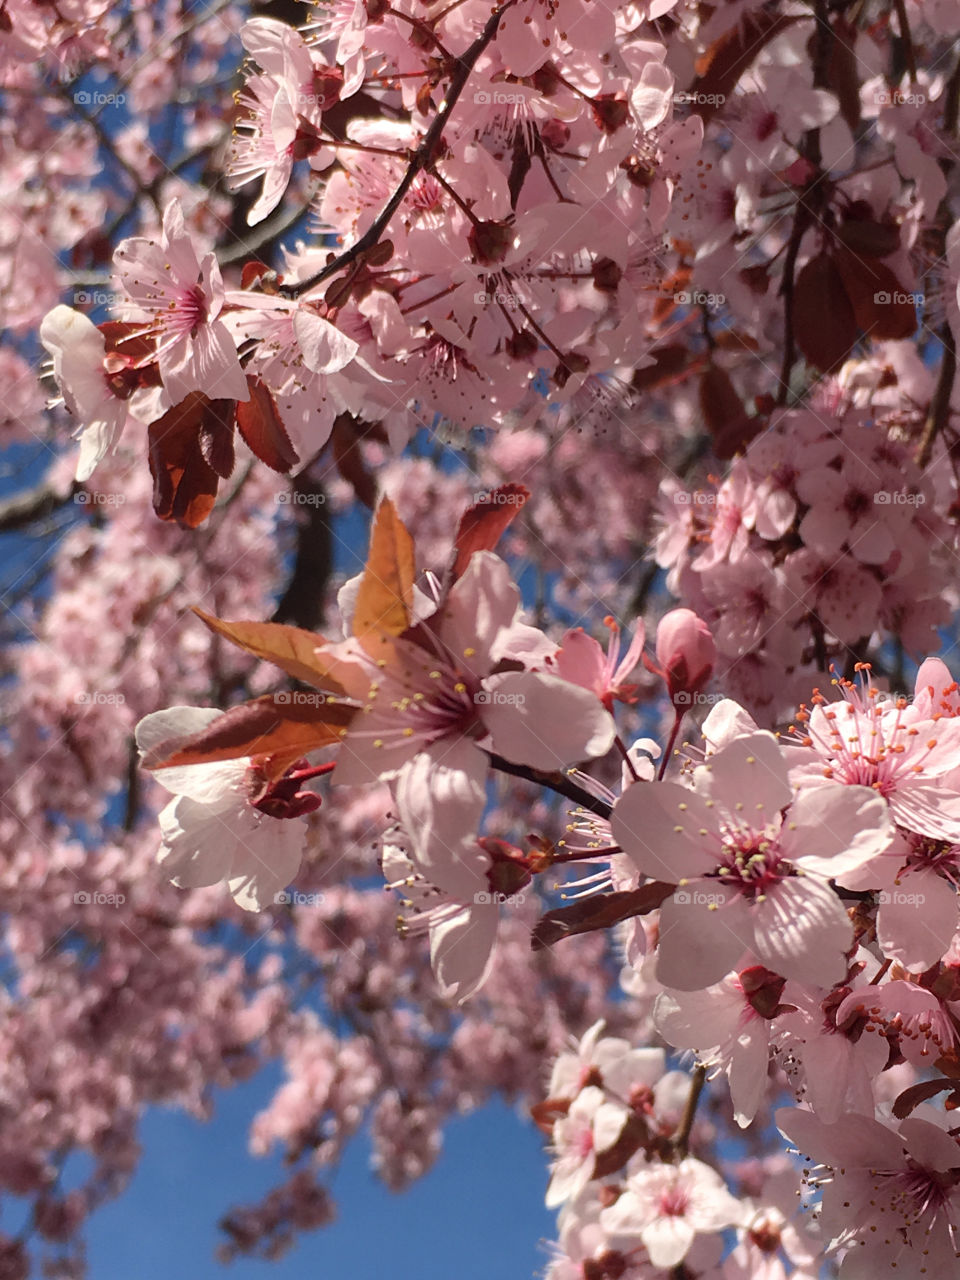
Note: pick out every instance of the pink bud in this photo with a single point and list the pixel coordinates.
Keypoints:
(686, 653)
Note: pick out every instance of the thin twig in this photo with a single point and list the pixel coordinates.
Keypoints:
(419, 160)
(681, 1139)
(557, 782)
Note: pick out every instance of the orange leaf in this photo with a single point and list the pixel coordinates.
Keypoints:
(385, 599)
(291, 649)
(267, 726)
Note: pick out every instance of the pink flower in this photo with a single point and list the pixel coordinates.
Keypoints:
(753, 865)
(78, 349)
(581, 661)
(605, 1061)
(831, 1063)
(730, 1026)
(894, 1195)
(668, 1205)
(217, 828)
(591, 1126)
(882, 743)
(283, 113)
(462, 933)
(432, 707)
(918, 911)
(182, 296)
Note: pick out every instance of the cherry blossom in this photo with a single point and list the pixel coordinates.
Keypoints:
(218, 827)
(668, 1206)
(748, 879)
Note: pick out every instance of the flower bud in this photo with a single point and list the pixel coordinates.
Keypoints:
(686, 654)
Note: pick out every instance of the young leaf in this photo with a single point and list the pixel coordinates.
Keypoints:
(598, 913)
(265, 727)
(483, 525)
(291, 649)
(385, 599)
(261, 427)
(184, 482)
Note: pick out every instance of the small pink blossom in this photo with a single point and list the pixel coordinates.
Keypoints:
(667, 1206)
(213, 830)
(182, 298)
(752, 863)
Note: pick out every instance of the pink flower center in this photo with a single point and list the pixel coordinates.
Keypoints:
(674, 1202)
(751, 864)
(188, 311)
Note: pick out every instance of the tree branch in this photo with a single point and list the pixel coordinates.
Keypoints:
(421, 158)
(557, 782)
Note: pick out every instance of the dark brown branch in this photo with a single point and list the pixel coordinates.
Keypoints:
(939, 413)
(34, 504)
(557, 782)
(681, 1138)
(421, 158)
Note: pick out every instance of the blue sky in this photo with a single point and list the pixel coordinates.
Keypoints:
(478, 1215)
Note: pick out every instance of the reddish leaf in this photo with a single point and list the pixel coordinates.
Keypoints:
(283, 731)
(723, 412)
(591, 914)
(483, 525)
(843, 70)
(253, 270)
(917, 1093)
(348, 456)
(869, 238)
(262, 428)
(291, 649)
(545, 1114)
(670, 362)
(184, 483)
(881, 307)
(722, 65)
(822, 316)
(216, 437)
(128, 341)
(385, 598)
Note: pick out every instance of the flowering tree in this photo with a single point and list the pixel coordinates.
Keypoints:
(632, 326)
